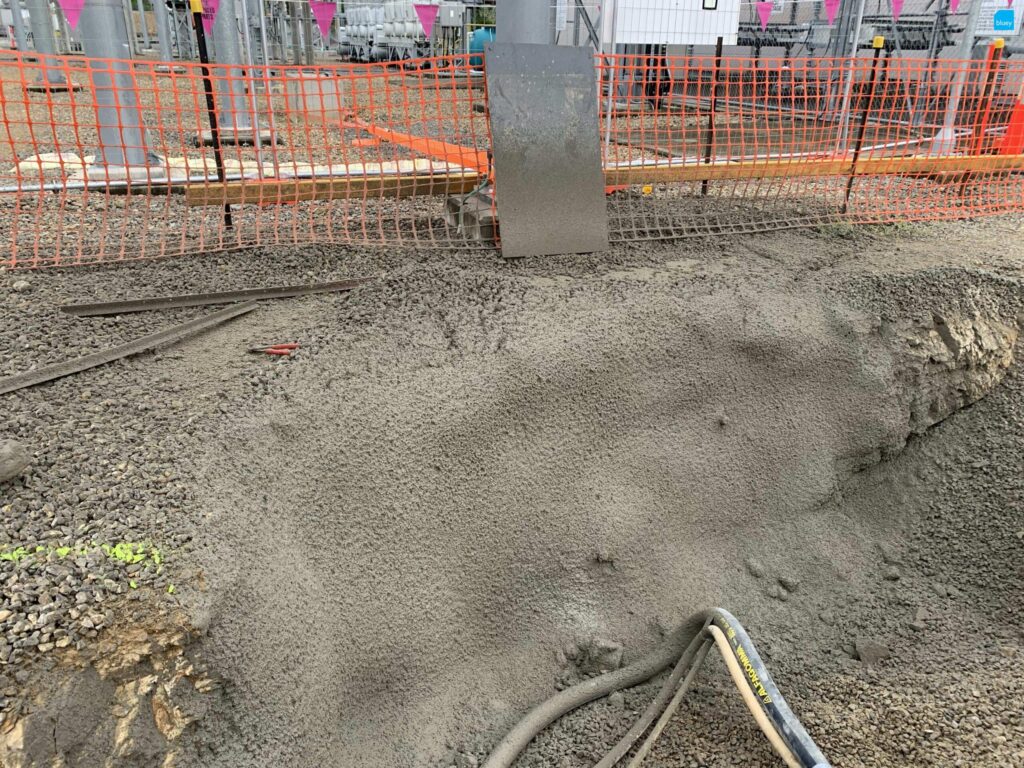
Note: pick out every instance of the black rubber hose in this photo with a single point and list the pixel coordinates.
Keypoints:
(760, 682)
(541, 716)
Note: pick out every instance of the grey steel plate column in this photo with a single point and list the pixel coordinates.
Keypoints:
(547, 149)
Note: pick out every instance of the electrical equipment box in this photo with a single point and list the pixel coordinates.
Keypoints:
(672, 22)
(451, 15)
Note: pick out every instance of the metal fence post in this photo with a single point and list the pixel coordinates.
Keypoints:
(211, 105)
(104, 36)
(711, 115)
(878, 43)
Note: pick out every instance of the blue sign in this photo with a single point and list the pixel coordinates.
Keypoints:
(1002, 20)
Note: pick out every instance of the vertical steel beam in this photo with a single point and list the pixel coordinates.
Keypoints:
(18, 22)
(163, 29)
(234, 109)
(104, 36)
(43, 40)
(147, 44)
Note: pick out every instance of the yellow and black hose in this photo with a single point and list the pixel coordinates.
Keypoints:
(687, 647)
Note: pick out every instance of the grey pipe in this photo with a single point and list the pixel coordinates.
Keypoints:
(104, 36)
(18, 22)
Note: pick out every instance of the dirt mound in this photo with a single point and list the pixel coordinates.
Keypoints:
(451, 508)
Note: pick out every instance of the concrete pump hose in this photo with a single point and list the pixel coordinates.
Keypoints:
(541, 716)
(736, 672)
(740, 654)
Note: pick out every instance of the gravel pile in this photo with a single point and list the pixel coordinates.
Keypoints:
(110, 515)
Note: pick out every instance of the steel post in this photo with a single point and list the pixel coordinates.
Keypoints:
(294, 28)
(18, 22)
(307, 33)
(234, 109)
(129, 20)
(250, 68)
(147, 44)
(43, 40)
(945, 140)
(104, 36)
(163, 30)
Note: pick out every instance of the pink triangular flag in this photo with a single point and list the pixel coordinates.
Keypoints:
(72, 10)
(323, 12)
(831, 9)
(764, 12)
(954, 5)
(427, 15)
(209, 14)
(897, 8)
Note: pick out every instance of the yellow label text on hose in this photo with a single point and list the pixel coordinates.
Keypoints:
(752, 676)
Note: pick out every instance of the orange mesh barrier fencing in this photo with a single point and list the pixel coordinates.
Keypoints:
(120, 164)
(704, 145)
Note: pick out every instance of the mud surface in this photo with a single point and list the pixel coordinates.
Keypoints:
(479, 481)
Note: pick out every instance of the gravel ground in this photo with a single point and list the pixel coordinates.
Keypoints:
(103, 525)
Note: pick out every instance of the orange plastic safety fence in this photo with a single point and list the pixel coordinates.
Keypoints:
(105, 160)
(703, 145)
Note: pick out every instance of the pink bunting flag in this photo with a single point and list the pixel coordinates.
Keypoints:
(323, 12)
(831, 9)
(764, 12)
(209, 14)
(427, 14)
(954, 6)
(897, 8)
(72, 10)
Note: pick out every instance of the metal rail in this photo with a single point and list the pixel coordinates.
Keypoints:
(144, 344)
(203, 299)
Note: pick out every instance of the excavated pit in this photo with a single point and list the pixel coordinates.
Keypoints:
(414, 542)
